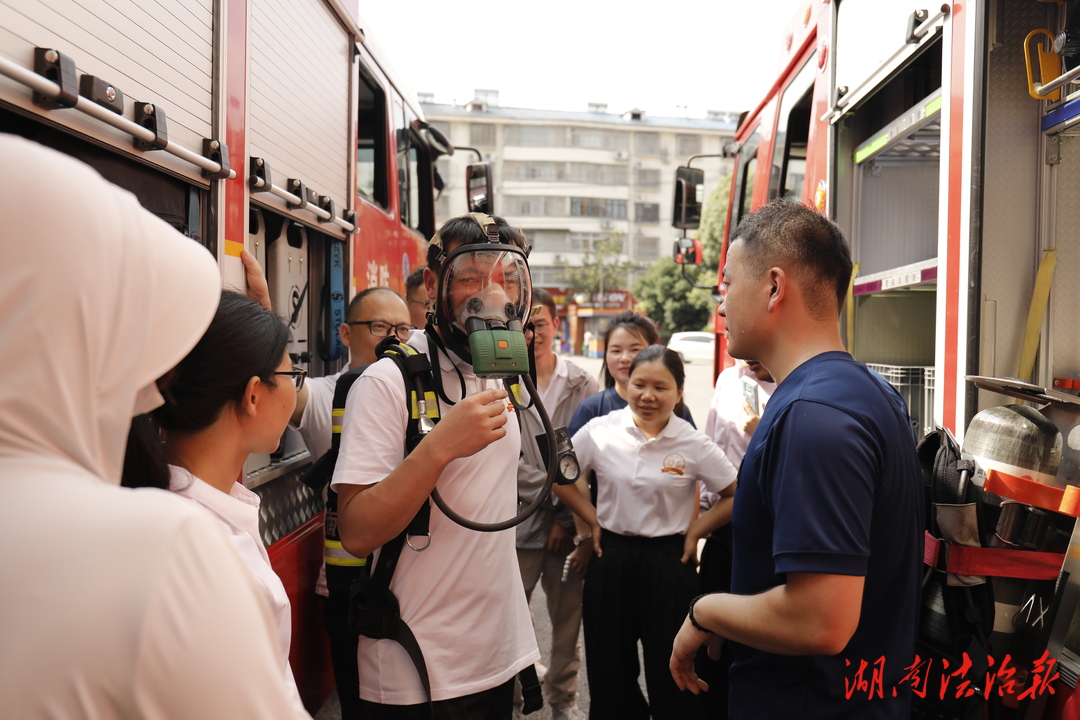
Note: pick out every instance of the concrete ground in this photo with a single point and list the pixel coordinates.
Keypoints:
(697, 394)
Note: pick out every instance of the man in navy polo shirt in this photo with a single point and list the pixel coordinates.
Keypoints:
(827, 515)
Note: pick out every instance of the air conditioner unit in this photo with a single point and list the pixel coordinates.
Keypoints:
(605, 224)
(560, 260)
(639, 164)
(622, 155)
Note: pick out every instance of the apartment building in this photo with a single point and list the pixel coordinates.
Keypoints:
(569, 179)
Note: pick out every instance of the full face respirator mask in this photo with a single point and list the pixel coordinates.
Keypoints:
(485, 295)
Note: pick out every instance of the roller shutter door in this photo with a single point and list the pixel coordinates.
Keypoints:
(299, 101)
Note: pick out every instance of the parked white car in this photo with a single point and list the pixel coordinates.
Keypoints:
(693, 346)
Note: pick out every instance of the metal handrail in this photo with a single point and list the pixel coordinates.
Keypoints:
(1060, 81)
(50, 89)
(258, 183)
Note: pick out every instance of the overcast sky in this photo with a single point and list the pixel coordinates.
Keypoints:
(674, 58)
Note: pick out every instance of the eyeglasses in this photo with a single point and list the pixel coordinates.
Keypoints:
(298, 375)
(381, 329)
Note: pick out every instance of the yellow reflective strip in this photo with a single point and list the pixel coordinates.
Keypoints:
(516, 389)
(335, 554)
(413, 404)
(233, 248)
(338, 412)
(432, 405)
(349, 562)
(335, 429)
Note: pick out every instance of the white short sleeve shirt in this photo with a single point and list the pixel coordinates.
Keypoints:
(238, 513)
(648, 487)
(462, 596)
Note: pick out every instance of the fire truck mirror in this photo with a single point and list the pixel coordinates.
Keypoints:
(479, 186)
(687, 251)
(689, 193)
(438, 142)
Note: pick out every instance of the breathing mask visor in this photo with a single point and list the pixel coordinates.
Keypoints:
(484, 299)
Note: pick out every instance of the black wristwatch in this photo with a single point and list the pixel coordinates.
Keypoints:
(690, 614)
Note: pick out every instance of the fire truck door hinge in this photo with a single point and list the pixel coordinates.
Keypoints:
(1053, 150)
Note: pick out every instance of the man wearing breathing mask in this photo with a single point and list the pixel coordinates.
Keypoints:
(459, 590)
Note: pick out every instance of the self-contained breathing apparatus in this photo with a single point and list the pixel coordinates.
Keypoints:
(998, 528)
(483, 306)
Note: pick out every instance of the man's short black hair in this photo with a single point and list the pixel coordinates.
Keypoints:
(543, 297)
(354, 306)
(415, 279)
(804, 242)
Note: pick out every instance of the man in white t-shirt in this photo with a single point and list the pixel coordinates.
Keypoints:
(462, 596)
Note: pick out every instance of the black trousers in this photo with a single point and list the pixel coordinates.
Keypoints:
(638, 590)
(494, 704)
(715, 576)
(343, 647)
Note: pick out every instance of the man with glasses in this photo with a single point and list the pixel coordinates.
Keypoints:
(373, 314)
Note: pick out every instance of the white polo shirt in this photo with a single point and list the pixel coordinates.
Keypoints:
(238, 513)
(647, 487)
(462, 597)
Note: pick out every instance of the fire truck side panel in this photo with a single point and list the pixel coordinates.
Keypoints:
(152, 54)
(301, 60)
(1012, 166)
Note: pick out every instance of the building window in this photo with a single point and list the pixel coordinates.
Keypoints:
(542, 171)
(598, 207)
(647, 178)
(535, 136)
(647, 212)
(647, 143)
(533, 205)
(647, 248)
(556, 241)
(482, 135)
(596, 174)
(686, 145)
(599, 139)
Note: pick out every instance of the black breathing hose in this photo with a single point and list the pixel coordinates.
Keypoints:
(552, 469)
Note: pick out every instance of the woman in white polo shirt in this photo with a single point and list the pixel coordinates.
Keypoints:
(232, 395)
(647, 461)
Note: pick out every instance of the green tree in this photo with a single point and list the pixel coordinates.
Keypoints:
(665, 294)
(602, 268)
(713, 217)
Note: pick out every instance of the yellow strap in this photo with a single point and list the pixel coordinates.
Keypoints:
(1040, 298)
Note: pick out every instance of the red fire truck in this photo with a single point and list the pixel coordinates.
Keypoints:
(940, 138)
(275, 126)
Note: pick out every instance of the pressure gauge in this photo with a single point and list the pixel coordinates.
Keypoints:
(569, 469)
